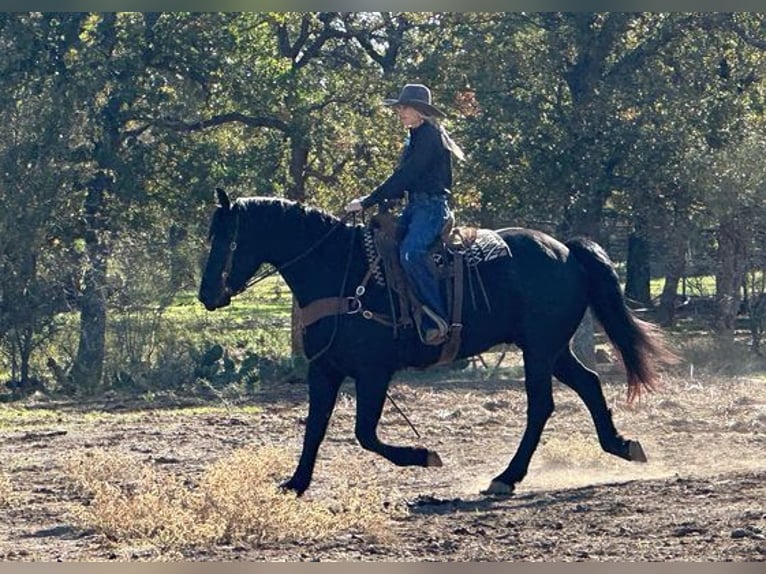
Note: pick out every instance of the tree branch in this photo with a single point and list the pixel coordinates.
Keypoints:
(745, 36)
(231, 117)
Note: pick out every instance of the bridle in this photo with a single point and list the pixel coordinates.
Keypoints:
(264, 274)
(229, 263)
(271, 270)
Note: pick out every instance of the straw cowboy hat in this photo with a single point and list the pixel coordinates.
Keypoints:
(416, 96)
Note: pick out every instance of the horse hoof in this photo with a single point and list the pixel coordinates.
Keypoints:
(289, 487)
(433, 459)
(636, 452)
(497, 488)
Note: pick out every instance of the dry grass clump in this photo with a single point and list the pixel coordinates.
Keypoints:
(138, 502)
(235, 500)
(6, 490)
(564, 452)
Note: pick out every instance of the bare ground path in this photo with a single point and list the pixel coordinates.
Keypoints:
(701, 496)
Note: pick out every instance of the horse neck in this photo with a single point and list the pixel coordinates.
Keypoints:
(309, 248)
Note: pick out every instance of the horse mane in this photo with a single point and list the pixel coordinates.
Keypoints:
(310, 218)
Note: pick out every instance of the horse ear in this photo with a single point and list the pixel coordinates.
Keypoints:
(223, 198)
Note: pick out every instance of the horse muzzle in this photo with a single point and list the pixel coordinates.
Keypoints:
(216, 301)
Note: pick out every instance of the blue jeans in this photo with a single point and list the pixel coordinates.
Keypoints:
(423, 220)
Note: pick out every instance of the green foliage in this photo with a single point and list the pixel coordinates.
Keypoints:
(574, 122)
(216, 367)
(250, 348)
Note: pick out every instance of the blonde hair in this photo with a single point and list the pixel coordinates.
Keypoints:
(447, 140)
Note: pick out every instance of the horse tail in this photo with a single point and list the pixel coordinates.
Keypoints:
(641, 344)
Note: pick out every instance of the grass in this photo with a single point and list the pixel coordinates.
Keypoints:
(265, 306)
(17, 415)
(235, 500)
(6, 490)
(12, 416)
(271, 297)
(700, 286)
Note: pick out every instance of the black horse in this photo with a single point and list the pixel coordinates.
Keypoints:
(537, 297)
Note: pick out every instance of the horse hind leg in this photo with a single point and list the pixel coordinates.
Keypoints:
(570, 371)
(538, 385)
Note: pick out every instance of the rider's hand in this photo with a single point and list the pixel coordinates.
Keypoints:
(354, 206)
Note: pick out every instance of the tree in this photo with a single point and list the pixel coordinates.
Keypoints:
(628, 127)
(308, 85)
(733, 181)
(36, 226)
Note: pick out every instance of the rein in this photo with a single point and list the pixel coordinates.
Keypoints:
(273, 270)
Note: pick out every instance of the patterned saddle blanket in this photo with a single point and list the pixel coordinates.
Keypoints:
(476, 246)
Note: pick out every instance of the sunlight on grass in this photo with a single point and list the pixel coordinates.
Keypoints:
(11, 416)
(271, 298)
(6, 490)
(696, 286)
(235, 500)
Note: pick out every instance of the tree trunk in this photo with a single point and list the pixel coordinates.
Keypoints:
(26, 349)
(674, 271)
(299, 154)
(24, 346)
(638, 276)
(88, 367)
(730, 274)
(299, 157)
(296, 334)
(667, 310)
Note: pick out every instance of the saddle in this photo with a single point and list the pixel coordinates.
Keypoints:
(456, 255)
(447, 262)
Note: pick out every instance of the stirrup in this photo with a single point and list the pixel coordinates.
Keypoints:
(434, 336)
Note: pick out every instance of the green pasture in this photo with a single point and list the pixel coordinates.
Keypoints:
(701, 286)
(183, 349)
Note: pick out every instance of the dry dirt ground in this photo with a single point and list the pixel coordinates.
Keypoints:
(701, 496)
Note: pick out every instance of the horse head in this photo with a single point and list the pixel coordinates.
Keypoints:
(231, 262)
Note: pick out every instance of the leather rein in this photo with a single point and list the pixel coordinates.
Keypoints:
(354, 304)
(271, 270)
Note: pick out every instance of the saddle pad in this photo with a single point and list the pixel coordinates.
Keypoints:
(476, 245)
(485, 245)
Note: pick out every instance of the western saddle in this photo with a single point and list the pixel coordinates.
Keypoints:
(382, 237)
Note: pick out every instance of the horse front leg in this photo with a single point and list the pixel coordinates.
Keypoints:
(370, 397)
(538, 384)
(324, 383)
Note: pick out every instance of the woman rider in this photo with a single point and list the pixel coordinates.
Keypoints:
(425, 173)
